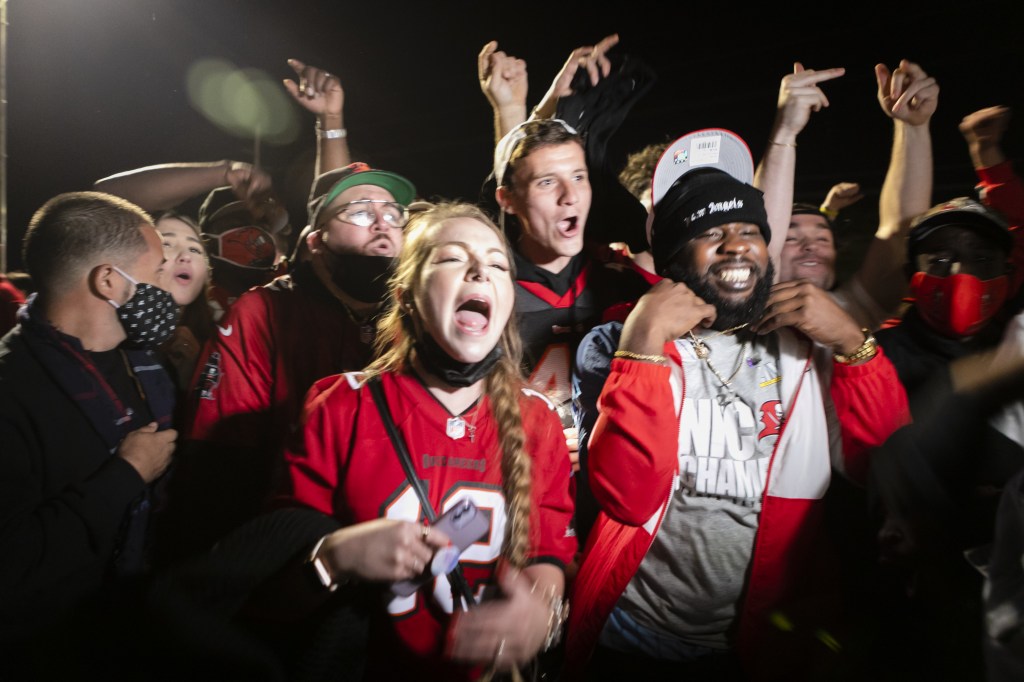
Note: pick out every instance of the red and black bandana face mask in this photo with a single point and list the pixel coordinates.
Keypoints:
(959, 305)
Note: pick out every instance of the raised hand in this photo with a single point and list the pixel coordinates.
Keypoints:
(316, 90)
(984, 130)
(804, 306)
(907, 94)
(502, 77)
(666, 312)
(842, 195)
(590, 57)
(986, 126)
(799, 95)
(246, 180)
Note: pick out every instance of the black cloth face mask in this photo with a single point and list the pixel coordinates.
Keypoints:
(454, 373)
(149, 317)
(364, 278)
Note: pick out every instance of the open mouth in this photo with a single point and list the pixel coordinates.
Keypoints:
(183, 277)
(473, 314)
(569, 227)
(381, 246)
(736, 277)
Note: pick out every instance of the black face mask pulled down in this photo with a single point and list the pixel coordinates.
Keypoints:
(364, 278)
(449, 370)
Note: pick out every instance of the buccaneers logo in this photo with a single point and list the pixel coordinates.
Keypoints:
(210, 378)
(771, 417)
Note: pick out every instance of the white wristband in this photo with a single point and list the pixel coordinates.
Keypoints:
(332, 134)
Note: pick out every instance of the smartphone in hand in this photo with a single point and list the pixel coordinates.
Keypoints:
(465, 524)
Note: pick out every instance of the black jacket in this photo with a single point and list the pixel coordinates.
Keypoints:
(66, 499)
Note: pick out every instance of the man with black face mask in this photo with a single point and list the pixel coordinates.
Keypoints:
(717, 409)
(275, 342)
(85, 414)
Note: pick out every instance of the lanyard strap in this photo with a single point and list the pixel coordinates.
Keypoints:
(456, 579)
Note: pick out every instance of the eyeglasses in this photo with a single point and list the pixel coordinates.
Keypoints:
(364, 213)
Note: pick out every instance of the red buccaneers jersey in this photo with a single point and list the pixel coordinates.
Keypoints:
(269, 349)
(265, 355)
(350, 470)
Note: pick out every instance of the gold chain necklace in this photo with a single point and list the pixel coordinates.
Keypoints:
(701, 350)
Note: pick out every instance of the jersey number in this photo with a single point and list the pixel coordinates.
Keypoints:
(406, 507)
(551, 374)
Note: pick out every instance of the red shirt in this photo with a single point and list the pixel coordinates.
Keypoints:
(350, 470)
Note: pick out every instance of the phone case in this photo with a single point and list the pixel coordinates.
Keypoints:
(464, 523)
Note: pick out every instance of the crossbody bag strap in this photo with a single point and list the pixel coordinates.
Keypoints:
(455, 578)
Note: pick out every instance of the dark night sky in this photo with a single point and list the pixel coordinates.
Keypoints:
(98, 86)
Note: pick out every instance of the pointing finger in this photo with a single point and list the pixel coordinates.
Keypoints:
(297, 66)
(607, 43)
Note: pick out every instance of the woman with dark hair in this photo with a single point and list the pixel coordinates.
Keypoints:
(187, 276)
(449, 372)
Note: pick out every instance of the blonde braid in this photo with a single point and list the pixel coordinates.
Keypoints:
(503, 388)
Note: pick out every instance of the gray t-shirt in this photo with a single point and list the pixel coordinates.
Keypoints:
(689, 583)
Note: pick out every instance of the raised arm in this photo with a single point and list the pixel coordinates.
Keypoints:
(590, 57)
(799, 95)
(908, 96)
(983, 130)
(162, 187)
(504, 83)
(631, 458)
(840, 196)
(999, 187)
(320, 93)
(869, 400)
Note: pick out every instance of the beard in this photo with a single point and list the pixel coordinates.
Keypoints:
(731, 313)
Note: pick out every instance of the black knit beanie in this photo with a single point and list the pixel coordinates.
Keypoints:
(697, 201)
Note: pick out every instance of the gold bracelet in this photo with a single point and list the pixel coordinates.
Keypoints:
(783, 144)
(865, 351)
(630, 355)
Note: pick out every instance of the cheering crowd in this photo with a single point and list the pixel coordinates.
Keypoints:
(606, 423)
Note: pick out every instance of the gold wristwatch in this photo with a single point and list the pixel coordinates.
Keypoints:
(865, 351)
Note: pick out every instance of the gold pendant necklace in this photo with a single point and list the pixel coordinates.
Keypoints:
(701, 350)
